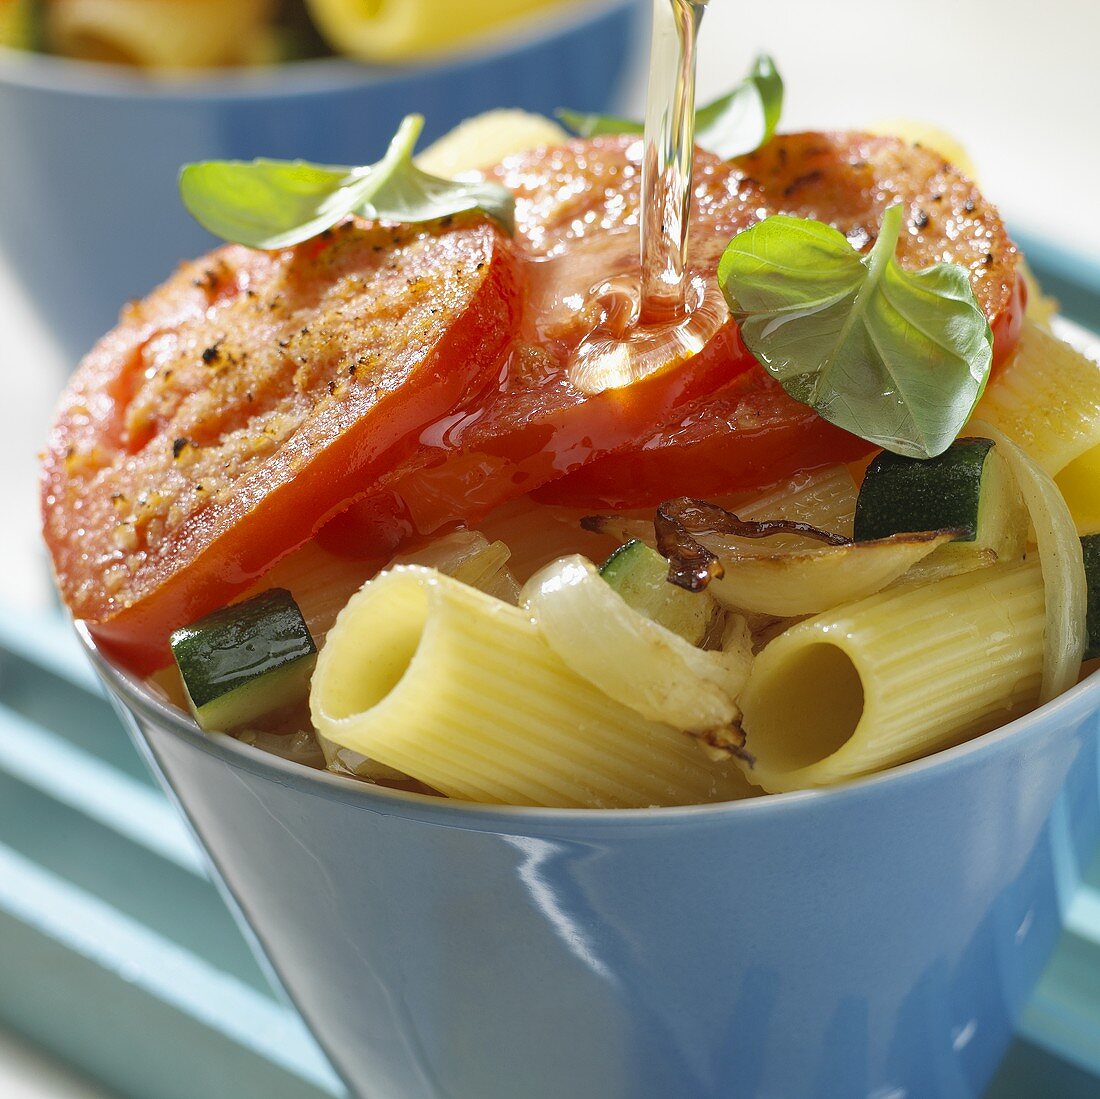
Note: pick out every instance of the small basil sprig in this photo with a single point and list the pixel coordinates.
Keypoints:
(737, 123)
(277, 203)
(898, 357)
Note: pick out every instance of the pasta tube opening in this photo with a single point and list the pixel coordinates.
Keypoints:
(895, 676)
(461, 691)
(360, 678)
(808, 708)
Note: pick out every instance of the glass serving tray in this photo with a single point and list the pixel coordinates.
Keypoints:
(118, 955)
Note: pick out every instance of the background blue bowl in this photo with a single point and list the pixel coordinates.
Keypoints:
(877, 939)
(89, 211)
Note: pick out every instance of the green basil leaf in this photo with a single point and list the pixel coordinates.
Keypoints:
(277, 203)
(268, 203)
(399, 191)
(745, 119)
(737, 123)
(898, 357)
(592, 125)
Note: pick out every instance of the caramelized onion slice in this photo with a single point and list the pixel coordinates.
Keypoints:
(811, 581)
(692, 565)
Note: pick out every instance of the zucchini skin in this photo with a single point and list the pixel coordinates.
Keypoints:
(244, 660)
(640, 575)
(1090, 545)
(904, 495)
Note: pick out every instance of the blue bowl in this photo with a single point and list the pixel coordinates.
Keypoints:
(877, 939)
(89, 211)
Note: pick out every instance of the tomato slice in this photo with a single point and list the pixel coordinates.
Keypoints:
(749, 436)
(512, 448)
(242, 405)
(576, 220)
(577, 223)
(409, 379)
(752, 434)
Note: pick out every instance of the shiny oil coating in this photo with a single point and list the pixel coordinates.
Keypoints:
(168, 481)
(248, 370)
(587, 189)
(577, 223)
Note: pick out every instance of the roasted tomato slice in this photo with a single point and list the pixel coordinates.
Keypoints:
(577, 231)
(247, 400)
(749, 436)
(752, 434)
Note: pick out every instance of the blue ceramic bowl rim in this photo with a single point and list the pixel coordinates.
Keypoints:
(1075, 704)
(288, 80)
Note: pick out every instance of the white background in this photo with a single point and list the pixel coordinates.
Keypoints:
(1018, 82)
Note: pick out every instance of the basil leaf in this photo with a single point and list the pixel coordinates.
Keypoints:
(745, 119)
(592, 125)
(898, 357)
(276, 203)
(737, 123)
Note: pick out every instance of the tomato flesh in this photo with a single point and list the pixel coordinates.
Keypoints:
(576, 213)
(380, 383)
(242, 405)
(749, 436)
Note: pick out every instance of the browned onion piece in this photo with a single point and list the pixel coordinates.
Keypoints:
(693, 566)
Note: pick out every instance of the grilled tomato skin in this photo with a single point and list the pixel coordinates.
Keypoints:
(249, 399)
(384, 381)
(750, 433)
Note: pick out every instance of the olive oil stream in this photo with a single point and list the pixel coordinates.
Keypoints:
(667, 158)
(657, 314)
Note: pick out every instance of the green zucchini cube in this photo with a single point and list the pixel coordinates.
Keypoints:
(640, 575)
(1090, 544)
(246, 660)
(903, 495)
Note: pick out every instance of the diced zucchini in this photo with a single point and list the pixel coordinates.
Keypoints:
(245, 660)
(967, 488)
(1091, 546)
(640, 575)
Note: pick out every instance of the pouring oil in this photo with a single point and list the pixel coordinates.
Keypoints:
(658, 314)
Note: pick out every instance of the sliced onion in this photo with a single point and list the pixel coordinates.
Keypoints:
(935, 568)
(822, 498)
(631, 658)
(811, 581)
(470, 557)
(345, 761)
(300, 747)
(1061, 561)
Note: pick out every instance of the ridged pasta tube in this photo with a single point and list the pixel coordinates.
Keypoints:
(895, 676)
(1046, 399)
(402, 30)
(824, 498)
(158, 34)
(459, 690)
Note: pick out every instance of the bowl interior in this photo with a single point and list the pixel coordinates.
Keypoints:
(148, 707)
